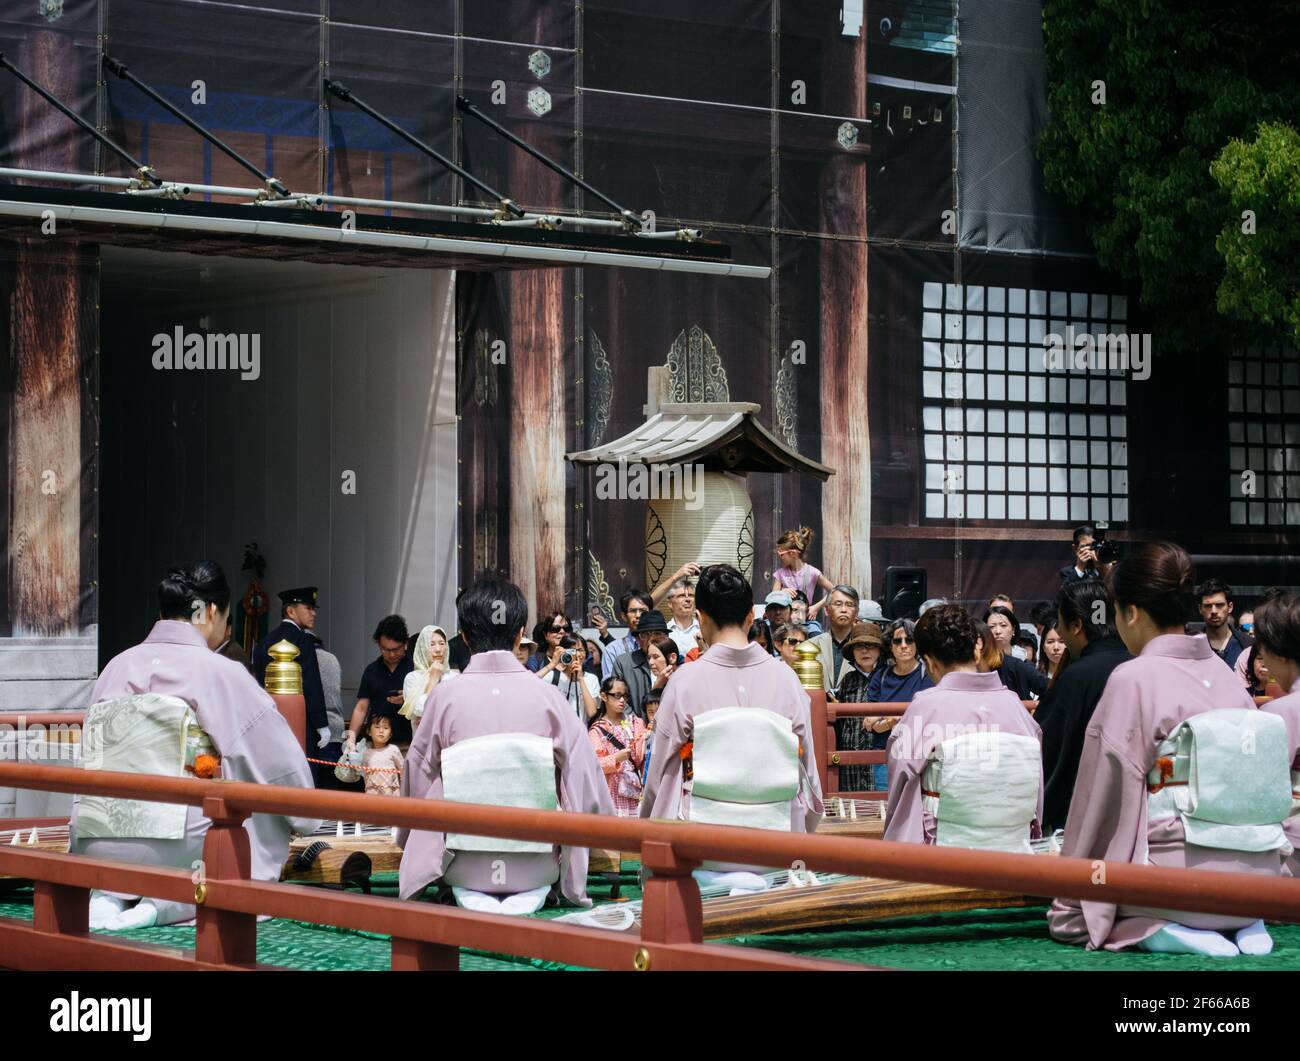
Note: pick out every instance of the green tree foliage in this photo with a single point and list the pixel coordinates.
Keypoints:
(1144, 95)
(1261, 179)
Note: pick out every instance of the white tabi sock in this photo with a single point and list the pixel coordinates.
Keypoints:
(528, 902)
(143, 915)
(104, 909)
(1254, 939)
(472, 900)
(1179, 939)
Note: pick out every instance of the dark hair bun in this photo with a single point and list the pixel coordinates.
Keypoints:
(184, 584)
(1157, 577)
(1277, 625)
(947, 633)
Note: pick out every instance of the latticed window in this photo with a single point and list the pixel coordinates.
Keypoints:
(1264, 437)
(1006, 437)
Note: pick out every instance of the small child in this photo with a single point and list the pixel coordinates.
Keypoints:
(382, 763)
(795, 576)
(651, 704)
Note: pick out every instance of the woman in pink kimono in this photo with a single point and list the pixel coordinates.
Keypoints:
(496, 696)
(734, 672)
(247, 733)
(1277, 642)
(1174, 677)
(963, 701)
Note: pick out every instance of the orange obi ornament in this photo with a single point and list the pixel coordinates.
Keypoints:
(1165, 765)
(206, 766)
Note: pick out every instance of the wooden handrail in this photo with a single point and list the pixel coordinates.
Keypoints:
(675, 847)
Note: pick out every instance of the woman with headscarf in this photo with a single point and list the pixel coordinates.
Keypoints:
(431, 667)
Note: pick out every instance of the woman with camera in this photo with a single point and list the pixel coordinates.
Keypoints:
(563, 669)
(547, 634)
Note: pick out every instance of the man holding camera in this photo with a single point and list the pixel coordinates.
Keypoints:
(1092, 555)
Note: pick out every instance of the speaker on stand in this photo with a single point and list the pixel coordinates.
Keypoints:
(905, 592)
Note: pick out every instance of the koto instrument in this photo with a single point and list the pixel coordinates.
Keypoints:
(797, 900)
(51, 837)
(853, 817)
(338, 854)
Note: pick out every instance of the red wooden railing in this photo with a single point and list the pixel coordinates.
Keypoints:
(427, 936)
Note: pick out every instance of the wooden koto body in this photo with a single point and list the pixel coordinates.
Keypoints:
(844, 903)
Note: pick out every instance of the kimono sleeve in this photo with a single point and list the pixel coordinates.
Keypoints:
(422, 768)
(665, 773)
(1107, 819)
(904, 810)
(269, 754)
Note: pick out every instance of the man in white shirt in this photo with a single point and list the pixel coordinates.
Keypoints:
(683, 625)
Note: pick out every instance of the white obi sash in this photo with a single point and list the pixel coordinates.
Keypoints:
(142, 734)
(500, 770)
(1226, 775)
(746, 769)
(982, 789)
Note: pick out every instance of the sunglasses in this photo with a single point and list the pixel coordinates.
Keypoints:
(617, 696)
(902, 641)
(795, 640)
(559, 629)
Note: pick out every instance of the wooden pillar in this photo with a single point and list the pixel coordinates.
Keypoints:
(541, 373)
(50, 342)
(417, 956)
(60, 909)
(846, 437)
(538, 430)
(671, 911)
(225, 937)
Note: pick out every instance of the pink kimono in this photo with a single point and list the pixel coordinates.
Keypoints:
(959, 702)
(1176, 676)
(727, 677)
(1289, 708)
(495, 693)
(251, 736)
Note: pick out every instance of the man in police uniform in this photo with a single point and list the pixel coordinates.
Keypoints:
(298, 609)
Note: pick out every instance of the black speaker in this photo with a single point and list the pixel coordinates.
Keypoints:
(905, 592)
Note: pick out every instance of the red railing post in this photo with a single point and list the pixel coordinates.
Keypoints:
(671, 910)
(823, 738)
(61, 909)
(416, 956)
(223, 936)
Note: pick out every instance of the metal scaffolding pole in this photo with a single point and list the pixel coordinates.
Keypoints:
(630, 220)
(344, 93)
(145, 172)
(120, 69)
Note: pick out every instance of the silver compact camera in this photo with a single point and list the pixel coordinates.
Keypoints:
(567, 657)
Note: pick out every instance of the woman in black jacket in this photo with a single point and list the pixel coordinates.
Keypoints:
(1020, 677)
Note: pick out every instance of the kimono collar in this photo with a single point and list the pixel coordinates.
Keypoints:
(967, 682)
(1179, 646)
(175, 632)
(726, 656)
(496, 662)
